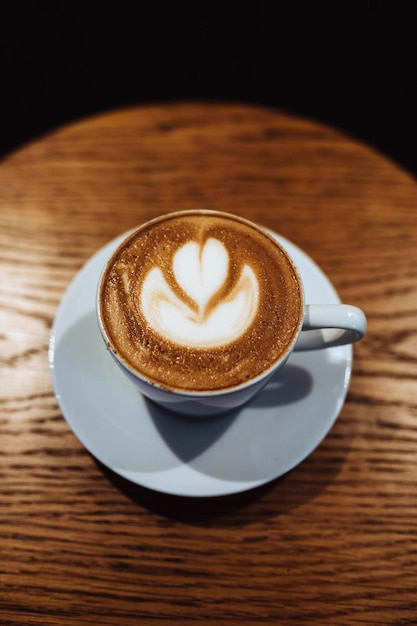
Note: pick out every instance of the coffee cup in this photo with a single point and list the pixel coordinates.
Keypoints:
(201, 308)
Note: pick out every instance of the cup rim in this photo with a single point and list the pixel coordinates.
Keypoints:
(187, 393)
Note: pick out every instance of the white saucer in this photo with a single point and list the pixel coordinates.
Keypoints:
(161, 451)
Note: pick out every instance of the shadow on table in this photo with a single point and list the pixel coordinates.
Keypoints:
(278, 497)
(281, 496)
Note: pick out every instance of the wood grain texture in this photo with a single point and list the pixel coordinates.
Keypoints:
(332, 542)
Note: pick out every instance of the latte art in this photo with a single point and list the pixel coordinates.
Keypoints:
(200, 300)
(200, 272)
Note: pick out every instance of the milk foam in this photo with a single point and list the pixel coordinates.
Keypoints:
(200, 301)
(200, 272)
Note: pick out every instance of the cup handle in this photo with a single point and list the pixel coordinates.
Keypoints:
(328, 325)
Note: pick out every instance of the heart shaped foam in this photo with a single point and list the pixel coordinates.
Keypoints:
(200, 272)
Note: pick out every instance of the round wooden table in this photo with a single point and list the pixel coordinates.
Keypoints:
(334, 541)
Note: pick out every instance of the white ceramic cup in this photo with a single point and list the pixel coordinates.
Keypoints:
(342, 323)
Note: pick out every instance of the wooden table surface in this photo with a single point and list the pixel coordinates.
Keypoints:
(334, 541)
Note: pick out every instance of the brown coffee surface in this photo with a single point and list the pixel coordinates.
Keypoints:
(275, 323)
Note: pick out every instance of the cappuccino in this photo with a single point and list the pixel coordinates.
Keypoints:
(200, 301)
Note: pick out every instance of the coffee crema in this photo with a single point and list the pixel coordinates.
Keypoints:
(200, 301)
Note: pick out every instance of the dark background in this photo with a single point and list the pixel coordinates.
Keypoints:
(352, 65)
